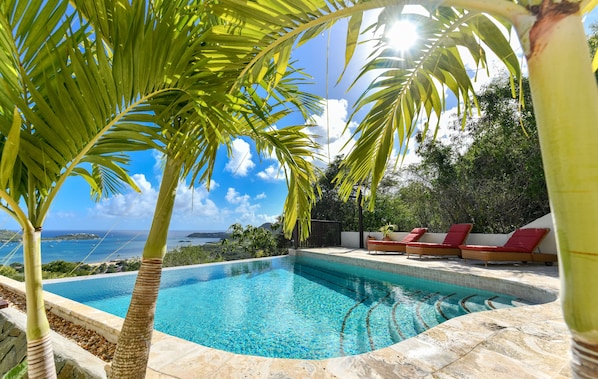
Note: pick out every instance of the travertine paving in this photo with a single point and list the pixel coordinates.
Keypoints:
(522, 342)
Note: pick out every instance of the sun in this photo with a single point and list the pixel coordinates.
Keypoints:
(402, 35)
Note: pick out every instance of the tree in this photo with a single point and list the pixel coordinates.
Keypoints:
(57, 119)
(491, 173)
(194, 128)
(410, 85)
(254, 242)
(72, 104)
(330, 205)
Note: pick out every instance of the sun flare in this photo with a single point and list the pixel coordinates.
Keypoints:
(402, 35)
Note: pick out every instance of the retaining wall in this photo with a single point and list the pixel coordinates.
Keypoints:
(72, 362)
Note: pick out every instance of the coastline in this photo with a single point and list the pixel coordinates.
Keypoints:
(110, 246)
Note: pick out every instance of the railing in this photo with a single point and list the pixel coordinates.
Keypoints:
(323, 233)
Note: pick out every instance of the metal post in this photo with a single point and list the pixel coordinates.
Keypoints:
(296, 235)
(360, 221)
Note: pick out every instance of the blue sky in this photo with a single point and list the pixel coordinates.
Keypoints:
(245, 189)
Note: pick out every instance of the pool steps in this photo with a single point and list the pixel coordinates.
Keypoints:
(435, 309)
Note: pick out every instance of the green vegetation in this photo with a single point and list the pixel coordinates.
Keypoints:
(75, 236)
(17, 372)
(191, 255)
(9, 235)
(12, 272)
(243, 243)
(75, 101)
(490, 174)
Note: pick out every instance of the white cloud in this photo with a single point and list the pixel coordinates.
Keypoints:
(240, 162)
(261, 196)
(130, 204)
(329, 130)
(234, 197)
(271, 173)
(158, 161)
(189, 203)
(245, 211)
(194, 202)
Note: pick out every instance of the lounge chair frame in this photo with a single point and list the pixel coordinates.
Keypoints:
(449, 247)
(433, 250)
(397, 247)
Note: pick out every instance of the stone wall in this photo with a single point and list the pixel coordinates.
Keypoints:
(13, 345)
(71, 361)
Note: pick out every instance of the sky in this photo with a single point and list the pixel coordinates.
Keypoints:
(245, 188)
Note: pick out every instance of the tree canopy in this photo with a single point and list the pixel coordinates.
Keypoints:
(490, 173)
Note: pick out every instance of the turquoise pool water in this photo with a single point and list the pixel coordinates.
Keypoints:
(288, 307)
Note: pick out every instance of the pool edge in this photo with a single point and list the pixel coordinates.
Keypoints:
(446, 348)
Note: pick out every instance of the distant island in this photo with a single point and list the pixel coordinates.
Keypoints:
(209, 235)
(75, 236)
(9, 235)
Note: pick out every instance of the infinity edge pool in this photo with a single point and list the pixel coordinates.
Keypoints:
(467, 344)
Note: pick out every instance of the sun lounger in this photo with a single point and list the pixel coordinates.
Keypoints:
(396, 246)
(456, 235)
(519, 247)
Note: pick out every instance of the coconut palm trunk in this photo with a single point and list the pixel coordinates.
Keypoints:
(40, 356)
(132, 350)
(565, 99)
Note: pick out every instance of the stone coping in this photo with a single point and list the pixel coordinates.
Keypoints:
(523, 342)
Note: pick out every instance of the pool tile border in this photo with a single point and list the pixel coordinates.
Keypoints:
(523, 342)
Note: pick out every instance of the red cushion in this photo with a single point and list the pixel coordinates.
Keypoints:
(526, 239)
(431, 244)
(522, 241)
(457, 234)
(414, 235)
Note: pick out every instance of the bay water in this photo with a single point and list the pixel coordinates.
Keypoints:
(111, 245)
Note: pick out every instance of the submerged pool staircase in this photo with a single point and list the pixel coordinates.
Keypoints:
(381, 316)
(437, 308)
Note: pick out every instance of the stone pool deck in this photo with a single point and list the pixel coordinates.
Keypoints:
(522, 342)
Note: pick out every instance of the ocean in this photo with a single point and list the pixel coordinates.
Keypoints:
(111, 245)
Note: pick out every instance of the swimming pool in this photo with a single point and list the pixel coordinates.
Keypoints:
(289, 307)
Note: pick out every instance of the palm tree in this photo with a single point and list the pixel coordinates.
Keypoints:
(45, 130)
(132, 351)
(192, 133)
(410, 87)
(70, 107)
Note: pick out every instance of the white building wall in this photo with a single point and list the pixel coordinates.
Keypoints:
(548, 245)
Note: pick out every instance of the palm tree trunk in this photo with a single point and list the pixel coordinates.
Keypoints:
(132, 349)
(565, 97)
(40, 355)
(133, 346)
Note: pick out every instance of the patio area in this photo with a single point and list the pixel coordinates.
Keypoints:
(522, 342)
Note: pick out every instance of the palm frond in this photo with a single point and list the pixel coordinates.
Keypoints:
(410, 86)
(88, 85)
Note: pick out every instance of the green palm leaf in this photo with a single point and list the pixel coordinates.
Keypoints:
(407, 89)
(411, 85)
